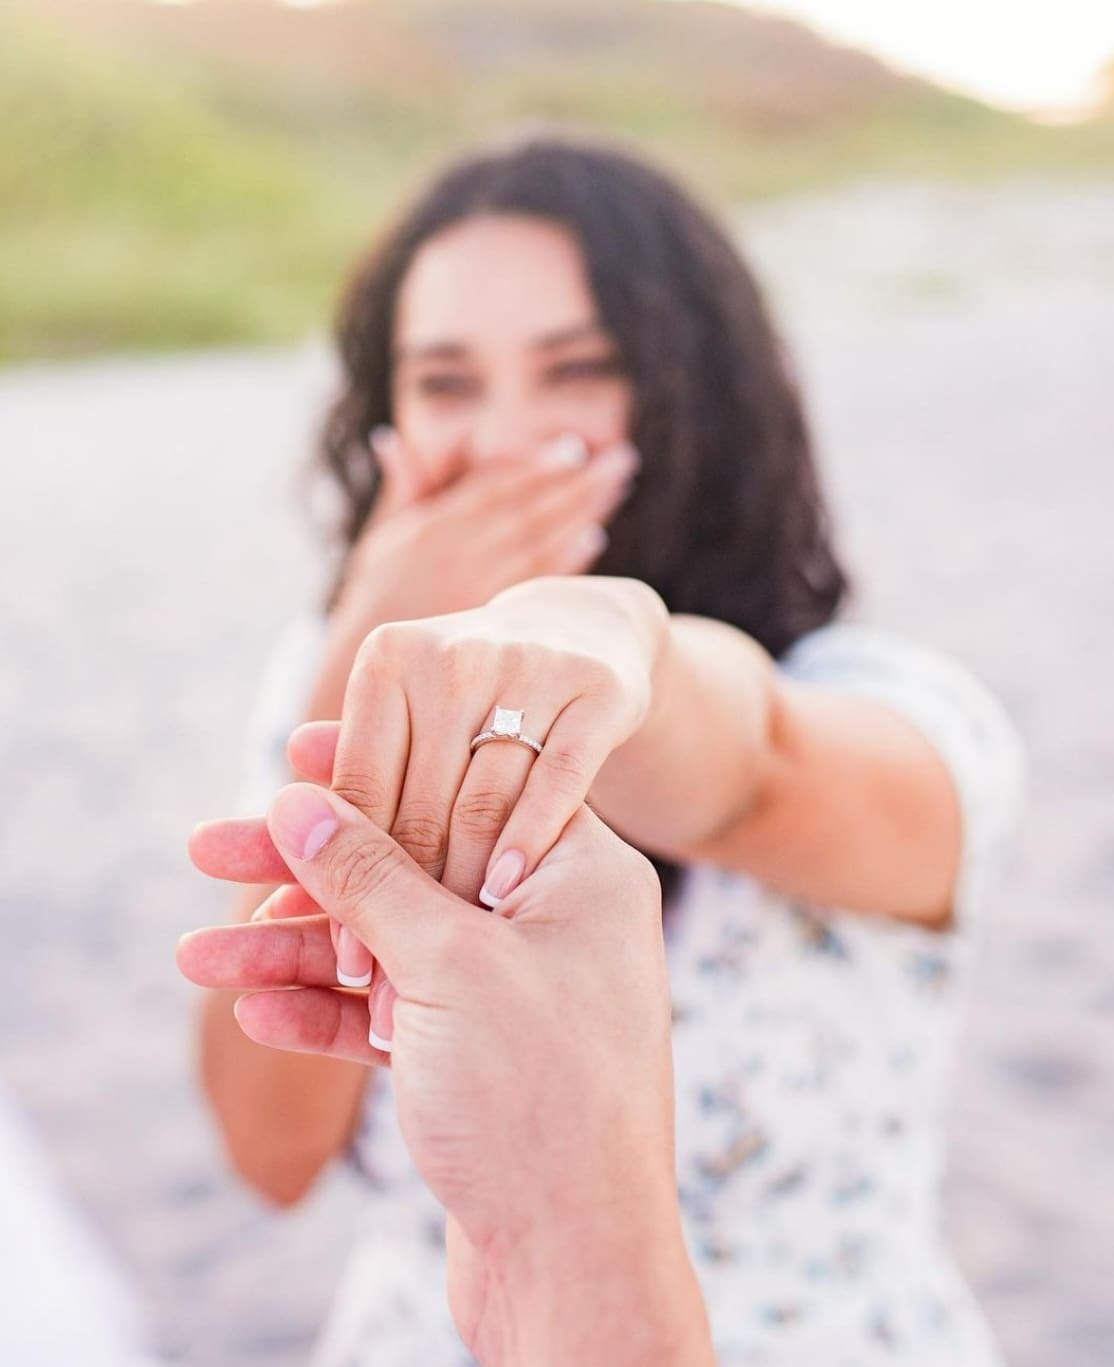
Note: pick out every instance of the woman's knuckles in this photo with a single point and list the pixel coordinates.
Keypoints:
(381, 647)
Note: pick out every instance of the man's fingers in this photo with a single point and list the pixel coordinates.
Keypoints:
(312, 748)
(263, 954)
(361, 876)
(239, 850)
(314, 1021)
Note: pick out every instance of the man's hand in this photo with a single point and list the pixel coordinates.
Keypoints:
(532, 1071)
(582, 650)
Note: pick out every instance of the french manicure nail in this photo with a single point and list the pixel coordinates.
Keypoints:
(379, 435)
(594, 540)
(503, 878)
(301, 820)
(382, 1004)
(567, 451)
(354, 961)
(623, 457)
(617, 496)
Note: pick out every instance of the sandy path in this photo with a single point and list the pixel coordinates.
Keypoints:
(956, 344)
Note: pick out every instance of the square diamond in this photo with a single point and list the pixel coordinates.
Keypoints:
(507, 722)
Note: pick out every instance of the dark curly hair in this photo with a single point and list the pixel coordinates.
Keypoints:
(727, 518)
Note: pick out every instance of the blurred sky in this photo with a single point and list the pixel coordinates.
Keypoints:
(1040, 55)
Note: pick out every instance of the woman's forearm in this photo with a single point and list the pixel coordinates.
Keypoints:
(820, 794)
(703, 751)
(823, 795)
(283, 1115)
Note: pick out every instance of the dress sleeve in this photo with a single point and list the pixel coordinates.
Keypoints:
(963, 721)
(280, 703)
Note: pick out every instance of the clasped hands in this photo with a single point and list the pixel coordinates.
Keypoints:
(531, 1049)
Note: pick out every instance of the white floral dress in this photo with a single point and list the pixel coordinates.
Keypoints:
(811, 1048)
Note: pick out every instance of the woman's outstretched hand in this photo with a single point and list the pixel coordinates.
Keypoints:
(575, 655)
(532, 1071)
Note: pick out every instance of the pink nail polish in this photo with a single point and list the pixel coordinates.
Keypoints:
(354, 960)
(381, 1032)
(503, 878)
(567, 451)
(619, 464)
(594, 540)
(301, 820)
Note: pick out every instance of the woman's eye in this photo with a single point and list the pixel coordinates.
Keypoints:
(577, 370)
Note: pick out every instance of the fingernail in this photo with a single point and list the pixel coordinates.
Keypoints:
(301, 820)
(503, 878)
(382, 1029)
(567, 451)
(379, 435)
(260, 912)
(594, 540)
(624, 457)
(354, 961)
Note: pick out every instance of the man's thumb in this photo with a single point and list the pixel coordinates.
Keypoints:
(362, 878)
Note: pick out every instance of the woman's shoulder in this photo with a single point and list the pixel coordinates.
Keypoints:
(860, 658)
(853, 650)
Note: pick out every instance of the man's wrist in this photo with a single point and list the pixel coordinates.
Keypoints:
(616, 1293)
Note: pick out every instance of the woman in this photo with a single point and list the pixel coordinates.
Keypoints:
(555, 340)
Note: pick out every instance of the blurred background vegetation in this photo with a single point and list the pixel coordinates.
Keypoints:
(183, 175)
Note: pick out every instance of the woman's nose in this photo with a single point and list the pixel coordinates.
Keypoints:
(506, 431)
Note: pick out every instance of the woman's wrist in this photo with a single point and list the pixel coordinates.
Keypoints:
(623, 620)
(714, 694)
(637, 603)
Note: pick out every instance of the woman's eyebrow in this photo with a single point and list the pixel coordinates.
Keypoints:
(429, 351)
(455, 351)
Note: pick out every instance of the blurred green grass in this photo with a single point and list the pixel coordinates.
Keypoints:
(136, 215)
(157, 199)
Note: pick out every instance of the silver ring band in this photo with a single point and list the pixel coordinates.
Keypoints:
(485, 736)
(507, 725)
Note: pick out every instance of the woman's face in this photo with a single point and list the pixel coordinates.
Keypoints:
(498, 347)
